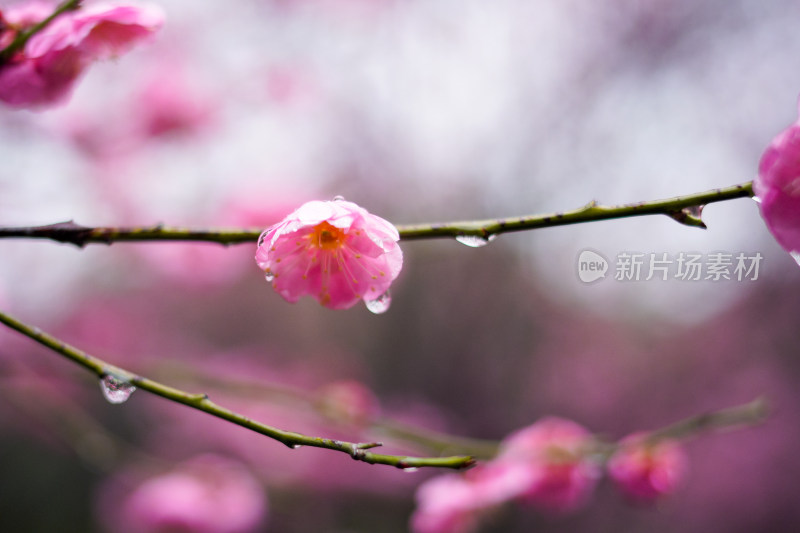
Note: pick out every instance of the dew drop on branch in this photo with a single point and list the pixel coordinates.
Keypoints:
(296, 446)
(269, 276)
(380, 304)
(475, 241)
(410, 469)
(116, 390)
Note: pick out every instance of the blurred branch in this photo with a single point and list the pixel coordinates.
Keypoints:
(683, 209)
(438, 442)
(434, 440)
(70, 424)
(747, 414)
(741, 415)
(22, 37)
(201, 402)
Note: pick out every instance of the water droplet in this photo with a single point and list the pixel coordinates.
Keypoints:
(410, 469)
(756, 199)
(475, 241)
(296, 446)
(796, 256)
(116, 389)
(269, 276)
(338, 198)
(380, 304)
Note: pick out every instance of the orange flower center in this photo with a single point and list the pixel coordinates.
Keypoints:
(327, 237)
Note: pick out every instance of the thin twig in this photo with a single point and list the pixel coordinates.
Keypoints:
(201, 402)
(683, 209)
(748, 414)
(432, 440)
(742, 415)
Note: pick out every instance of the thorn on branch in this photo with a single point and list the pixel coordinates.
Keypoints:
(689, 216)
(369, 445)
(67, 232)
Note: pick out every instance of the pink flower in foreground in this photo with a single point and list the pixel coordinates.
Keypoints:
(644, 472)
(544, 464)
(777, 188)
(208, 494)
(547, 465)
(446, 504)
(53, 59)
(335, 251)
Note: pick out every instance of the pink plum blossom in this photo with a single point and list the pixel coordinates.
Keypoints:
(457, 504)
(544, 464)
(208, 494)
(645, 471)
(53, 59)
(335, 251)
(446, 504)
(547, 464)
(777, 188)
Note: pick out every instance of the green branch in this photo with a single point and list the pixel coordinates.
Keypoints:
(201, 402)
(743, 415)
(747, 414)
(23, 36)
(440, 443)
(683, 209)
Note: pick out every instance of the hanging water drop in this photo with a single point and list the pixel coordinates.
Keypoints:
(380, 304)
(796, 256)
(116, 390)
(756, 199)
(338, 198)
(269, 276)
(475, 241)
(296, 446)
(410, 469)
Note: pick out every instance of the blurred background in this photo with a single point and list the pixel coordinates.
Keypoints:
(420, 111)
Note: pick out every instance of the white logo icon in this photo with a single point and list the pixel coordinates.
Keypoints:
(591, 266)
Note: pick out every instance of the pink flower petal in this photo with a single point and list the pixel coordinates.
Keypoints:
(777, 188)
(336, 251)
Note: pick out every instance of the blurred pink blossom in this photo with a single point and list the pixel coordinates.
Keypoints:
(777, 187)
(646, 471)
(335, 251)
(447, 504)
(552, 458)
(207, 494)
(172, 104)
(349, 402)
(53, 59)
(543, 464)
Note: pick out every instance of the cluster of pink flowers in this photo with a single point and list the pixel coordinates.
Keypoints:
(552, 465)
(335, 251)
(44, 72)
